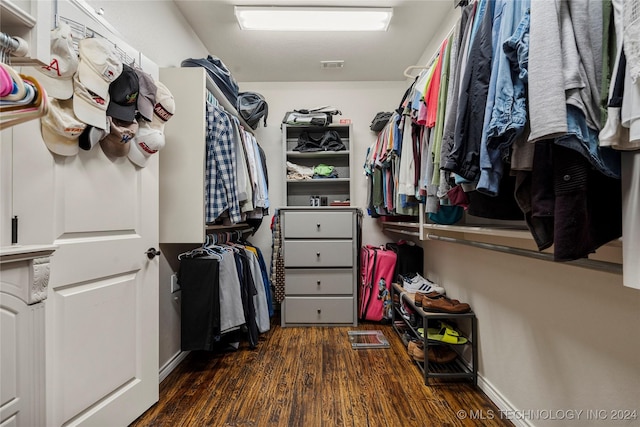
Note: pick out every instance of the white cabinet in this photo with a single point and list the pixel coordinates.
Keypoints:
(32, 21)
(320, 260)
(24, 272)
(299, 192)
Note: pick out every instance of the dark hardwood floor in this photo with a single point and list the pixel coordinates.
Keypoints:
(311, 377)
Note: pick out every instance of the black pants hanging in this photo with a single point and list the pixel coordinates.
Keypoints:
(200, 324)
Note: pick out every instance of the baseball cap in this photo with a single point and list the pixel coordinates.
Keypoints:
(61, 128)
(146, 95)
(118, 142)
(123, 93)
(148, 141)
(165, 107)
(88, 106)
(57, 77)
(99, 65)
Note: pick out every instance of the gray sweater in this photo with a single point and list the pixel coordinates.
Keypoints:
(564, 64)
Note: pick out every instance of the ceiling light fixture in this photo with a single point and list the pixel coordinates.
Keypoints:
(275, 18)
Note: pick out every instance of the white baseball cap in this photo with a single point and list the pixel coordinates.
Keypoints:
(61, 128)
(165, 107)
(147, 142)
(57, 77)
(99, 65)
(88, 106)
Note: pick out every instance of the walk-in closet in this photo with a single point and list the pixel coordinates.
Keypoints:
(320, 213)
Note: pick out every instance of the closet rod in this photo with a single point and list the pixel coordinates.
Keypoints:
(608, 267)
(14, 45)
(430, 62)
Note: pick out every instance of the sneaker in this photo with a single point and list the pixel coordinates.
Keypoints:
(420, 284)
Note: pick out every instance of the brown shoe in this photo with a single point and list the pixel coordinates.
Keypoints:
(441, 354)
(418, 353)
(420, 296)
(443, 304)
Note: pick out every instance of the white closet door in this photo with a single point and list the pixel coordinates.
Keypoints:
(102, 306)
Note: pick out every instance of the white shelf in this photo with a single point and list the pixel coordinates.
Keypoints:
(12, 15)
(317, 181)
(317, 154)
(515, 233)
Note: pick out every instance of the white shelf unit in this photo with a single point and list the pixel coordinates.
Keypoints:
(299, 192)
(182, 160)
(31, 21)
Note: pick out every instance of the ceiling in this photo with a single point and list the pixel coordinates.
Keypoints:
(261, 56)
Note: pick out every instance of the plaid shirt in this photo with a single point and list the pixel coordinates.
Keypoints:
(220, 180)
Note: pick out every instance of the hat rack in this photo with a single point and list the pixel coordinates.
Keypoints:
(81, 31)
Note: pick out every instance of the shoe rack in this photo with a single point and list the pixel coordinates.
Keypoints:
(465, 366)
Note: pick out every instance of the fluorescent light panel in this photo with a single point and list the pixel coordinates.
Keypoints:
(276, 18)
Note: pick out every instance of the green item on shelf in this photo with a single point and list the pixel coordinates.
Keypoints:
(324, 170)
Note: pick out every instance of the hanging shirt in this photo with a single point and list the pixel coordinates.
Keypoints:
(220, 186)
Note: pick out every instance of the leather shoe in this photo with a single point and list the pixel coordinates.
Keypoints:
(420, 296)
(443, 304)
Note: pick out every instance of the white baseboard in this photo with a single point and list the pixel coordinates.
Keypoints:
(501, 402)
(172, 364)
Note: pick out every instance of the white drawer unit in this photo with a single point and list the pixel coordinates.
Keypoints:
(321, 265)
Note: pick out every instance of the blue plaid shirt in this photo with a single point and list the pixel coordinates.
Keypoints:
(220, 180)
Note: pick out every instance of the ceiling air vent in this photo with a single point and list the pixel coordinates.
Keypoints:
(326, 65)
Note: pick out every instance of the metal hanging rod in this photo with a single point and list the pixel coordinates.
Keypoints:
(608, 267)
(8, 43)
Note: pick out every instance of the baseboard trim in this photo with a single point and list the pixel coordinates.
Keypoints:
(502, 402)
(172, 364)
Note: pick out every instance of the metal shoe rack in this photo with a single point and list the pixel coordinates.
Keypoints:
(465, 366)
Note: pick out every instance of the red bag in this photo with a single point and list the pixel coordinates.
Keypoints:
(377, 265)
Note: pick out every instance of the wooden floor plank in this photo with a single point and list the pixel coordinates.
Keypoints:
(311, 377)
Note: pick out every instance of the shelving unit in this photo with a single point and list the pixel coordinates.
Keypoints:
(182, 160)
(460, 368)
(299, 191)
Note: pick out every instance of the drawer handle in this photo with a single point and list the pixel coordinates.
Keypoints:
(319, 311)
(318, 225)
(318, 254)
(318, 282)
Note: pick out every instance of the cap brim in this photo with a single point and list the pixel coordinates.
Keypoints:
(56, 88)
(92, 81)
(88, 113)
(58, 144)
(121, 112)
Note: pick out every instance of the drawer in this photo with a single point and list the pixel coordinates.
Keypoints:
(318, 253)
(321, 224)
(318, 310)
(337, 281)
